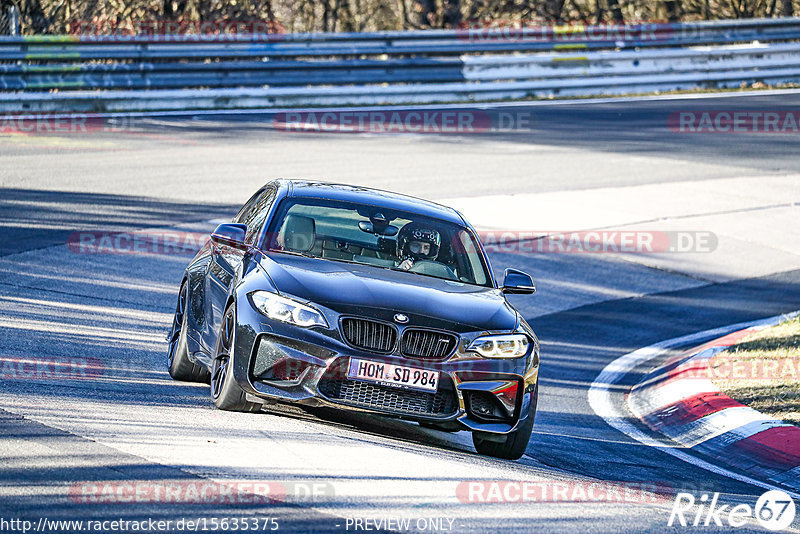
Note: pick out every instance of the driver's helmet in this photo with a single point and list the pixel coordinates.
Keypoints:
(418, 241)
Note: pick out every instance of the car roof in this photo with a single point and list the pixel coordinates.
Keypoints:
(367, 195)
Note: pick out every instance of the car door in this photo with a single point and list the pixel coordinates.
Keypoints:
(226, 260)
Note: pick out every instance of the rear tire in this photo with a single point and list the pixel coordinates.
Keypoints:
(515, 443)
(180, 366)
(225, 392)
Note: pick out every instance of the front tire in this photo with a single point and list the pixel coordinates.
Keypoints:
(225, 392)
(180, 366)
(515, 443)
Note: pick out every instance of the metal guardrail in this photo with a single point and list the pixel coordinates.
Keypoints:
(109, 73)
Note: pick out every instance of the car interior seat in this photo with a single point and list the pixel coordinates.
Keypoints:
(298, 233)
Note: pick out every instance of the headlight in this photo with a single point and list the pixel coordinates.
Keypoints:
(500, 346)
(287, 310)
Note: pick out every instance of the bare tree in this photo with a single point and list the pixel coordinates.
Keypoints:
(451, 13)
(673, 9)
(32, 12)
(57, 16)
(616, 11)
(173, 9)
(425, 11)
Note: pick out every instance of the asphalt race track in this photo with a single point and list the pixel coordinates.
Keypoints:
(580, 166)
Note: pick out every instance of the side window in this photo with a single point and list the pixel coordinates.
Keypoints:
(258, 215)
(473, 256)
(247, 208)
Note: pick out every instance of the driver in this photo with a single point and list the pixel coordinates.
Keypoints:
(415, 242)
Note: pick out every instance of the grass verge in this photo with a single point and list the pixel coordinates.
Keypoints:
(763, 371)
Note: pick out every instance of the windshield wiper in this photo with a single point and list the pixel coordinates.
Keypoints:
(294, 253)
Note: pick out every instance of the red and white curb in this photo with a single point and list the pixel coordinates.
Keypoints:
(679, 400)
(709, 429)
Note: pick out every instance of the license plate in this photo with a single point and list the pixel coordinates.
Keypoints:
(393, 375)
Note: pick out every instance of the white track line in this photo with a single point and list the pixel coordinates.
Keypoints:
(603, 405)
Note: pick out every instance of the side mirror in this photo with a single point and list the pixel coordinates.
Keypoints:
(231, 235)
(518, 283)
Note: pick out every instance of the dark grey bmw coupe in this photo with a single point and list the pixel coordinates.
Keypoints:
(340, 296)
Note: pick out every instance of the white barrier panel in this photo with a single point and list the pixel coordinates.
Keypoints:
(491, 77)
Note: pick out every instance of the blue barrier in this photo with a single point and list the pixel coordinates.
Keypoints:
(476, 61)
(196, 50)
(232, 73)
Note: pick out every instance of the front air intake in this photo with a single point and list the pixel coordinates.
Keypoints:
(427, 344)
(335, 386)
(369, 335)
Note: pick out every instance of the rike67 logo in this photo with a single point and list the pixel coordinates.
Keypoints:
(774, 510)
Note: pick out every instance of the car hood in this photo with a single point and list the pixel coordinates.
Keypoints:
(363, 290)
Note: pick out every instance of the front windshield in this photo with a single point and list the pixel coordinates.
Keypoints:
(375, 236)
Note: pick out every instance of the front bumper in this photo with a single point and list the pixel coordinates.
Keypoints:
(278, 361)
